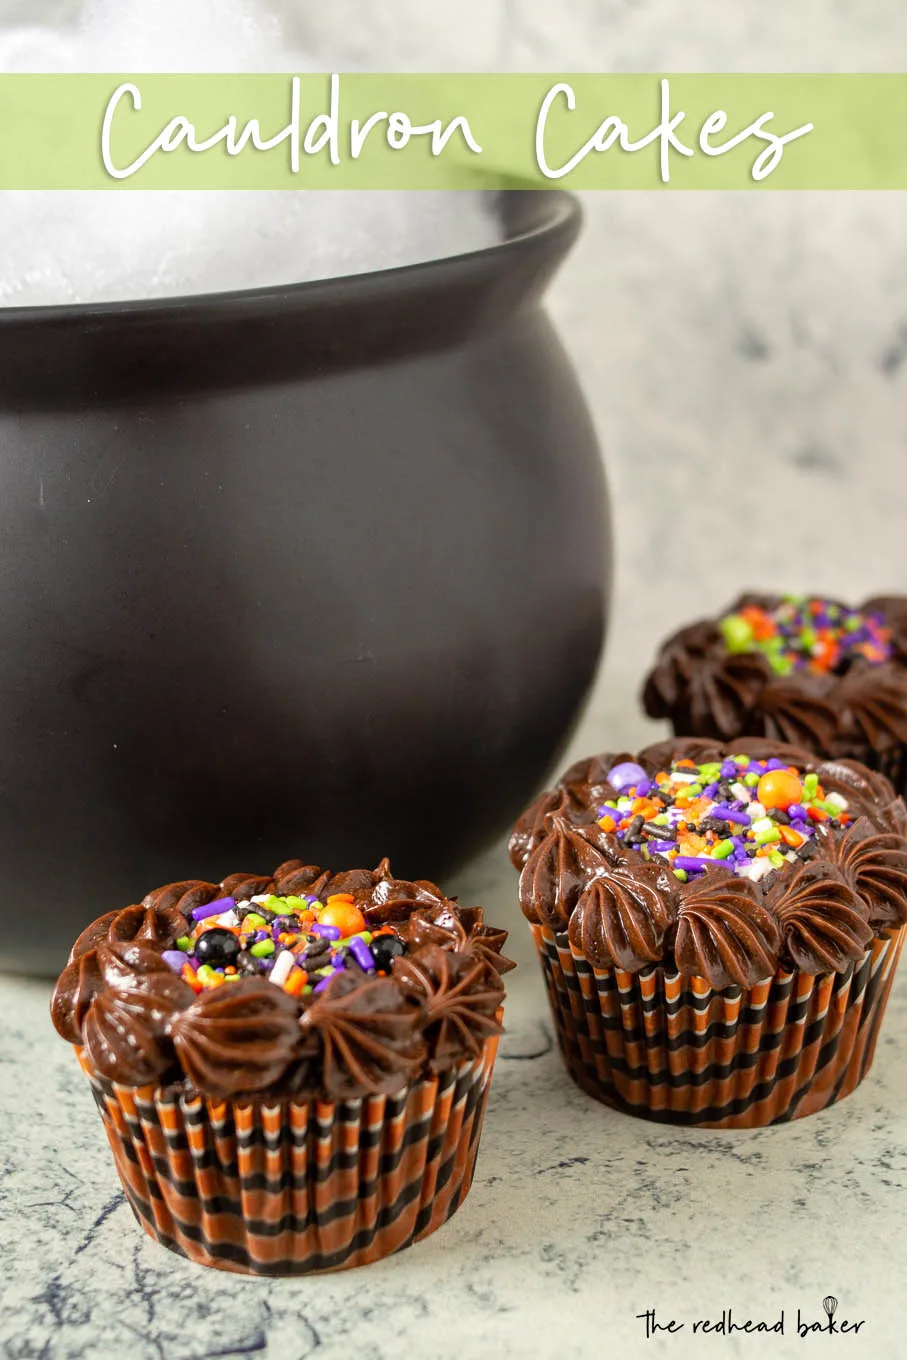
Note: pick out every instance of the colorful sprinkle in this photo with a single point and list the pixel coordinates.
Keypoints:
(213, 908)
(299, 943)
(804, 633)
(752, 817)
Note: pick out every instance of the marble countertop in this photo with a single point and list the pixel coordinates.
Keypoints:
(579, 1222)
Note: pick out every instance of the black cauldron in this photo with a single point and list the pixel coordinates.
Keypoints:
(318, 570)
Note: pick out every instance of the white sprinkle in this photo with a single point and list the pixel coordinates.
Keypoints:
(283, 966)
(229, 919)
(740, 792)
(243, 906)
(755, 869)
(836, 799)
(679, 778)
(756, 809)
(763, 824)
(262, 897)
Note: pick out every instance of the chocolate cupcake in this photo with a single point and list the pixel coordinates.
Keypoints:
(292, 1070)
(813, 672)
(718, 926)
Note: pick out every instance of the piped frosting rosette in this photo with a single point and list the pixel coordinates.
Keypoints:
(810, 671)
(292, 1069)
(718, 926)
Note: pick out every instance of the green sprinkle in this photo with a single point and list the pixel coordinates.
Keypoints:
(365, 935)
(781, 665)
(738, 635)
(254, 921)
(767, 837)
(184, 943)
(751, 780)
(262, 949)
(692, 790)
(681, 874)
(740, 760)
(851, 623)
(294, 905)
(204, 972)
(776, 859)
(661, 820)
(833, 809)
(810, 784)
(723, 849)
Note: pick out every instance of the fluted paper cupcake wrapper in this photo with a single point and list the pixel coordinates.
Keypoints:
(672, 1049)
(290, 1188)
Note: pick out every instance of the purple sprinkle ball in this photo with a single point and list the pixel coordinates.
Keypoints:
(175, 958)
(625, 775)
(214, 908)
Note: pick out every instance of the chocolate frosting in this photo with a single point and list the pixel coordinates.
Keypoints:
(460, 993)
(238, 1039)
(874, 863)
(138, 1022)
(126, 1028)
(620, 910)
(824, 922)
(707, 691)
(557, 872)
(724, 933)
(371, 1033)
(620, 919)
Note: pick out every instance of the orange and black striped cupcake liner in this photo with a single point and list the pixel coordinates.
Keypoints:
(294, 1187)
(672, 1049)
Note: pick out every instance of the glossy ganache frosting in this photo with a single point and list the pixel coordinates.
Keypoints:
(368, 1022)
(806, 888)
(848, 701)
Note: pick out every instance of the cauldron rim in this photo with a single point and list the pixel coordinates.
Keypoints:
(85, 354)
(530, 217)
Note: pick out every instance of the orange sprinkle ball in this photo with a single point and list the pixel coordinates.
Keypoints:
(779, 789)
(344, 915)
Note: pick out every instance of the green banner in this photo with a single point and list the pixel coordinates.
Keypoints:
(453, 132)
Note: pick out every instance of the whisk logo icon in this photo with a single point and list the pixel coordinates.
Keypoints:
(844, 1327)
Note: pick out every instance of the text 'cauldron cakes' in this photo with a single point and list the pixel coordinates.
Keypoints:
(292, 1070)
(718, 926)
(798, 669)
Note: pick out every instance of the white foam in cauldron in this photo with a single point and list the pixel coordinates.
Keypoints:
(104, 246)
